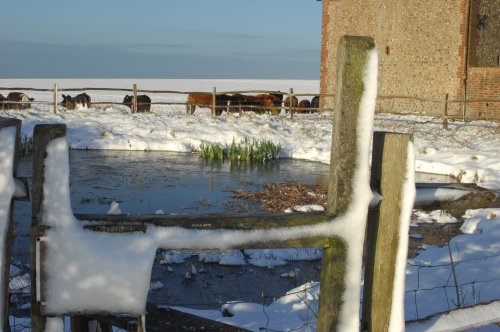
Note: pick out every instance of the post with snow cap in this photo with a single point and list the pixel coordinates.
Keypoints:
(42, 135)
(386, 231)
(352, 57)
(11, 133)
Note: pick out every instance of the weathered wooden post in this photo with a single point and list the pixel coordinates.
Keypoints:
(290, 106)
(134, 99)
(55, 98)
(389, 171)
(445, 117)
(42, 135)
(352, 56)
(10, 134)
(214, 101)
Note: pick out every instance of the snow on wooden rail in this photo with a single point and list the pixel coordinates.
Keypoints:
(11, 188)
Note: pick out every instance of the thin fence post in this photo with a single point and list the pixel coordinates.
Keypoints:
(388, 176)
(55, 98)
(290, 106)
(214, 99)
(134, 99)
(445, 117)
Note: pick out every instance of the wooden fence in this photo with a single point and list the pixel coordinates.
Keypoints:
(389, 166)
(134, 91)
(442, 109)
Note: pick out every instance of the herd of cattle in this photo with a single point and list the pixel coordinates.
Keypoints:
(237, 102)
(260, 104)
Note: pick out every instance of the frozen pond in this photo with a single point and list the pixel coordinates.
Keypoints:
(182, 183)
(179, 183)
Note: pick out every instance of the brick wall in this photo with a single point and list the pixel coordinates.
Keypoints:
(484, 83)
(421, 47)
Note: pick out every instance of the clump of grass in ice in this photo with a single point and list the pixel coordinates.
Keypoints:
(26, 146)
(249, 150)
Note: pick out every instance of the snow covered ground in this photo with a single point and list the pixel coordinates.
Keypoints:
(469, 151)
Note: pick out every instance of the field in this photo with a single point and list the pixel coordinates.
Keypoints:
(468, 152)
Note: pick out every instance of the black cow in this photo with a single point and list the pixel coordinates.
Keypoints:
(79, 101)
(315, 102)
(143, 103)
(17, 101)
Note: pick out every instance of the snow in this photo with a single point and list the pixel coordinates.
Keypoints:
(468, 151)
(459, 319)
(7, 189)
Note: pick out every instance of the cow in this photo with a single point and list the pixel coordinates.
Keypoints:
(304, 106)
(79, 101)
(278, 103)
(315, 103)
(295, 102)
(143, 103)
(205, 99)
(260, 103)
(2, 98)
(17, 101)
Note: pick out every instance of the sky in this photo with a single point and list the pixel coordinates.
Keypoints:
(258, 39)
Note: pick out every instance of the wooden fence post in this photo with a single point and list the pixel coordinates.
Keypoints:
(134, 99)
(55, 98)
(445, 117)
(8, 229)
(389, 169)
(214, 101)
(290, 106)
(42, 135)
(351, 60)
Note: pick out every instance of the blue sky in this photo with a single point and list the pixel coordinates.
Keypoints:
(262, 39)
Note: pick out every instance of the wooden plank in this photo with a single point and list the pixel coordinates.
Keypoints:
(42, 135)
(389, 167)
(166, 319)
(6, 242)
(210, 221)
(352, 55)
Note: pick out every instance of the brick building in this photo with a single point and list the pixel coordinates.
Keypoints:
(427, 49)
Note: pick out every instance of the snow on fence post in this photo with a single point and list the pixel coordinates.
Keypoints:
(388, 176)
(42, 135)
(7, 206)
(290, 96)
(352, 56)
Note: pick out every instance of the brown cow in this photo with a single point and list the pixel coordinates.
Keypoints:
(79, 101)
(304, 106)
(17, 101)
(204, 99)
(260, 103)
(143, 103)
(2, 98)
